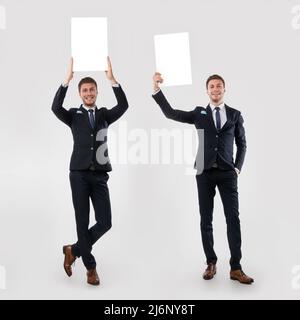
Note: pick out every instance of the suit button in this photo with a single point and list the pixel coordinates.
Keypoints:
(92, 148)
(216, 149)
(217, 136)
(92, 135)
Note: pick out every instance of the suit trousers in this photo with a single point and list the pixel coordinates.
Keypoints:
(226, 182)
(86, 185)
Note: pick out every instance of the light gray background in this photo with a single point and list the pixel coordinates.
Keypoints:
(154, 249)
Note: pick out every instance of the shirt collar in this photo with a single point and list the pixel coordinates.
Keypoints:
(88, 108)
(221, 106)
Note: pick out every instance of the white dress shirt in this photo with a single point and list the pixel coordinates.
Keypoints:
(223, 115)
(89, 108)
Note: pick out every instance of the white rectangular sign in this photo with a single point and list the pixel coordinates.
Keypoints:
(89, 43)
(173, 60)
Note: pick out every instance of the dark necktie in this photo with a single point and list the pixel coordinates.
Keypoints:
(91, 118)
(218, 118)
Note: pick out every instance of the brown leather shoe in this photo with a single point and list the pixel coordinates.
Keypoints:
(210, 271)
(240, 276)
(69, 259)
(92, 277)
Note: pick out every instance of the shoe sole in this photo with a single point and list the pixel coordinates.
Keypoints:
(94, 284)
(211, 277)
(235, 279)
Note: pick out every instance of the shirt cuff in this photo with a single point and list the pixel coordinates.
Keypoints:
(64, 85)
(116, 85)
(155, 92)
(237, 170)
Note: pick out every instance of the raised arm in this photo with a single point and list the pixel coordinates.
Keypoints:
(169, 112)
(57, 105)
(116, 112)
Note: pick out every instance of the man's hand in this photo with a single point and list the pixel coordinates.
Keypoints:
(157, 80)
(109, 72)
(70, 73)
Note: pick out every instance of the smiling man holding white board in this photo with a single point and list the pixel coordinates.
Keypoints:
(90, 164)
(222, 125)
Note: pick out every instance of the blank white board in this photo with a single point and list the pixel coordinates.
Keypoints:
(89, 43)
(173, 59)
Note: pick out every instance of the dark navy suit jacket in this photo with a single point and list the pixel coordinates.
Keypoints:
(88, 141)
(218, 145)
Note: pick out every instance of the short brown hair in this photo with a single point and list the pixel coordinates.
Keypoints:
(214, 77)
(86, 80)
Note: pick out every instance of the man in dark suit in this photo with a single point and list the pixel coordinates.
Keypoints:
(89, 165)
(222, 125)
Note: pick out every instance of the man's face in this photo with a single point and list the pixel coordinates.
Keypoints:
(88, 93)
(215, 91)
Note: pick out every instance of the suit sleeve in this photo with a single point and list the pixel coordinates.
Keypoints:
(170, 113)
(61, 113)
(116, 112)
(240, 141)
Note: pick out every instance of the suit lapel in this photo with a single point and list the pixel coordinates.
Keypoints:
(97, 117)
(228, 116)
